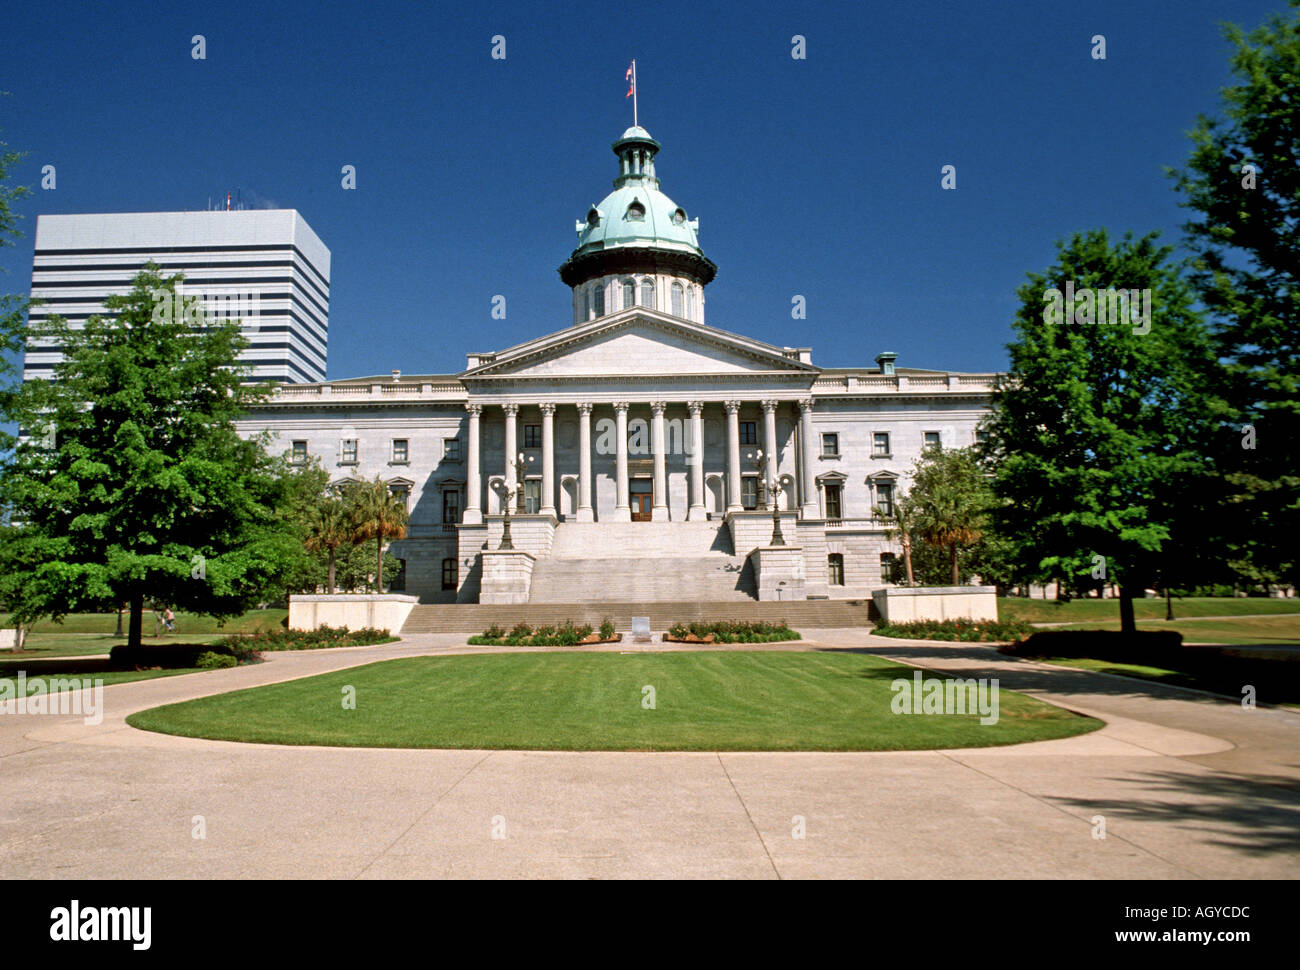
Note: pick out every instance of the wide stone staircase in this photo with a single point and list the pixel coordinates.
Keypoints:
(641, 562)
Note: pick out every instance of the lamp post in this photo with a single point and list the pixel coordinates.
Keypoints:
(774, 490)
(516, 463)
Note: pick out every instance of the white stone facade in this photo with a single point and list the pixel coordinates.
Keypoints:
(695, 406)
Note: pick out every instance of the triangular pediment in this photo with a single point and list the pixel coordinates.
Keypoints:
(639, 343)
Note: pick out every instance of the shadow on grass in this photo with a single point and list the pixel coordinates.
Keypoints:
(1255, 814)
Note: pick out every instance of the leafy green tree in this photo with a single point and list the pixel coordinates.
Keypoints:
(375, 513)
(1243, 180)
(131, 481)
(1101, 430)
(903, 531)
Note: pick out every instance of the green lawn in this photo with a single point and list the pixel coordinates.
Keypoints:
(704, 701)
(9, 671)
(1276, 630)
(1087, 610)
(82, 634)
(1174, 678)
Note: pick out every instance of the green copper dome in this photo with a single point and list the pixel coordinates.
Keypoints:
(636, 217)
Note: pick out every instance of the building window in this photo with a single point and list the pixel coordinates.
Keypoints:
(830, 446)
(532, 436)
(887, 567)
(835, 569)
(749, 492)
(398, 583)
(677, 299)
(690, 303)
(299, 452)
(749, 432)
(629, 293)
(532, 496)
(401, 452)
(349, 451)
(885, 500)
(981, 438)
(450, 506)
(648, 293)
(401, 494)
(588, 306)
(880, 444)
(599, 293)
(451, 449)
(931, 440)
(833, 500)
(449, 573)
(636, 212)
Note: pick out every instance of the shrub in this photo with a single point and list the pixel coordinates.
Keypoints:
(495, 631)
(309, 639)
(211, 660)
(521, 630)
(606, 629)
(736, 631)
(966, 631)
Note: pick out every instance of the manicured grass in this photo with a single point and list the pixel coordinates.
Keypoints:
(1275, 630)
(9, 671)
(704, 701)
(1174, 678)
(41, 645)
(187, 624)
(1081, 610)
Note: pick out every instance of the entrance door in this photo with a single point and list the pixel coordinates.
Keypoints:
(641, 495)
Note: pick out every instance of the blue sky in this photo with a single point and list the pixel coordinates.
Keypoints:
(818, 177)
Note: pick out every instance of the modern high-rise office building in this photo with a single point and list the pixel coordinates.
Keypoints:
(263, 266)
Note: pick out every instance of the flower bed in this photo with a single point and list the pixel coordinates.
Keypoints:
(967, 631)
(731, 631)
(567, 634)
(318, 639)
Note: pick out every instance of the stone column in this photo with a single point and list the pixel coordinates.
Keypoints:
(473, 487)
(622, 512)
(512, 448)
(772, 472)
(548, 460)
(697, 511)
(584, 462)
(733, 456)
(810, 504)
(659, 512)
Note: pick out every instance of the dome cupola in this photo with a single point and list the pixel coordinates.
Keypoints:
(637, 247)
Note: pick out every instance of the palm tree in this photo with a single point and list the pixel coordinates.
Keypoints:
(376, 514)
(904, 523)
(328, 527)
(952, 499)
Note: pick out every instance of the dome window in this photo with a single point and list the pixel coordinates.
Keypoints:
(648, 293)
(636, 211)
(593, 217)
(677, 299)
(629, 294)
(679, 216)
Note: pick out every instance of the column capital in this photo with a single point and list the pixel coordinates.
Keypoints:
(620, 405)
(770, 406)
(584, 407)
(510, 409)
(547, 408)
(697, 408)
(733, 407)
(805, 404)
(474, 408)
(657, 407)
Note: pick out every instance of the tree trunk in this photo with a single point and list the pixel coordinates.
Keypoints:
(1169, 604)
(330, 587)
(1127, 623)
(907, 561)
(379, 556)
(956, 576)
(136, 628)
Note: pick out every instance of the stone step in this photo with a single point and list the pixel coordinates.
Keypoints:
(605, 540)
(471, 618)
(643, 579)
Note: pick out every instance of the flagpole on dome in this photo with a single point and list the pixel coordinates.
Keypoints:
(631, 91)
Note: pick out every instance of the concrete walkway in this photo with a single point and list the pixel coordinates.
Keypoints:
(1189, 786)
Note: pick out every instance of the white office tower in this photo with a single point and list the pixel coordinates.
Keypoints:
(264, 267)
